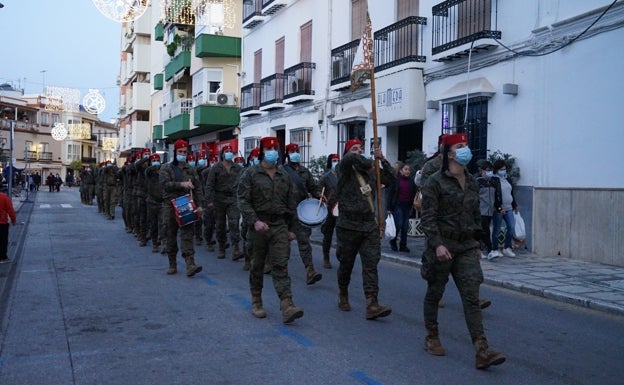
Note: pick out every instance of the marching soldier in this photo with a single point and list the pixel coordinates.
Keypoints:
(154, 202)
(87, 185)
(202, 164)
(140, 194)
(329, 183)
(109, 187)
(209, 212)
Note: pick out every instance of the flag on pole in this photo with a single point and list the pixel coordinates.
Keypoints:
(363, 62)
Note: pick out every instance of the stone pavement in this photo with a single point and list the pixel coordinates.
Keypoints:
(590, 285)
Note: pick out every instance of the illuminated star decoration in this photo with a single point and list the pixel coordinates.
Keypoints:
(93, 102)
(59, 132)
(121, 10)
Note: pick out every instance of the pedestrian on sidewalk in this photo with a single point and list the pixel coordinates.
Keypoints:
(505, 206)
(451, 221)
(487, 192)
(400, 197)
(357, 229)
(6, 213)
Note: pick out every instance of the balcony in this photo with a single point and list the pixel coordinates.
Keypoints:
(462, 26)
(157, 132)
(269, 7)
(250, 99)
(30, 155)
(272, 92)
(177, 123)
(207, 45)
(342, 62)
(158, 82)
(400, 43)
(298, 85)
(88, 160)
(210, 118)
(159, 32)
(44, 157)
(179, 63)
(252, 14)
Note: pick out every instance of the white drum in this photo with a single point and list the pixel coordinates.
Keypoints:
(312, 212)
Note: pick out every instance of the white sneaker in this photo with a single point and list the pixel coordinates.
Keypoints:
(494, 254)
(483, 256)
(507, 252)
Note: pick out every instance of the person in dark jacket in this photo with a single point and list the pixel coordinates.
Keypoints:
(400, 199)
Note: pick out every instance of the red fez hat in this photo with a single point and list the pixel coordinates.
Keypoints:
(146, 151)
(137, 155)
(155, 157)
(452, 139)
(351, 143)
(239, 159)
(269, 141)
(294, 147)
(180, 143)
(213, 158)
(255, 152)
(227, 147)
(190, 157)
(202, 154)
(334, 156)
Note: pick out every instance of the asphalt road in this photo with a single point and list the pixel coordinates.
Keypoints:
(88, 306)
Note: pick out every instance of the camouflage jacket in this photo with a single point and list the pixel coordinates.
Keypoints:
(172, 188)
(450, 215)
(304, 181)
(140, 185)
(355, 211)
(329, 181)
(154, 190)
(221, 184)
(110, 176)
(87, 178)
(261, 197)
(429, 168)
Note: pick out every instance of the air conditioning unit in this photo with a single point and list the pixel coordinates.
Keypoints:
(226, 99)
(180, 94)
(212, 98)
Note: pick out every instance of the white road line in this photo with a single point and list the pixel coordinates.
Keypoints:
(45, 206)
(66, 205)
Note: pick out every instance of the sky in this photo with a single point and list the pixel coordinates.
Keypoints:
(70, 40)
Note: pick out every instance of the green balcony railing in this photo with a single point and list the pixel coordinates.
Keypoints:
(177, 64)
(217, 46)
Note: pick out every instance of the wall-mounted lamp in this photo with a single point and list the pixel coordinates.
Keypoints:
(433, 105)
(510, 89)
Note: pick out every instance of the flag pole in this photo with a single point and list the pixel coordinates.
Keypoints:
(380, 221)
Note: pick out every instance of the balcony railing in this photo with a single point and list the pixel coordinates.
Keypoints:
(342, 61)
(399, 43)
(459, 22)
(272, 89)
(45, 156)
(250, 97)
(88, 160)
(299, 80)
(252, 13)
(181, 106)
(30, 155)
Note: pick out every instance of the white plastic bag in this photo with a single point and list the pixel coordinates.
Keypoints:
(519, 228)
(390, 232)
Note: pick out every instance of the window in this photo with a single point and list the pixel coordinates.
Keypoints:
(358, 18)
(250, 144)
(45, 119)
(471, 118)
(29, 145)
(205, 82)
(73, 152)
(301, 137)
(351, 130)
(55, 118)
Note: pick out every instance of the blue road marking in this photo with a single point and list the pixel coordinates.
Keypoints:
(241, 300)
(363, 378)
(299, 338)
(207, 280)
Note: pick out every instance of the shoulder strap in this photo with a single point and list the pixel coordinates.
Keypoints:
(177, 172)
(296, 179)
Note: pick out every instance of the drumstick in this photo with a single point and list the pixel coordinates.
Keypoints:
(320, 201)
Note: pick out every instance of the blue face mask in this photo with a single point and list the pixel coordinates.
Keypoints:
(489, 174)
(463, 155)
(334, 164)
(181, 158)
(240, 164)
(271, 156)
(255, 161)
(201, 162)
(191, 163)
(155, 163)
(295, 157)
(228, 155)
(502, 173)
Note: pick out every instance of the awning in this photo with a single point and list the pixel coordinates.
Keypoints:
(351, 114)
(473, 88)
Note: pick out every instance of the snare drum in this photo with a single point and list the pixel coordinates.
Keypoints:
(311, 212)
(185, 210)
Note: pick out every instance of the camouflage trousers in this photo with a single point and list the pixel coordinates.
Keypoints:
(110, 201)
(227, 212)
(327, 229)
(273, 243)
(154, 218)
(186, 233)
(303, 243)
(467, 275)
(368, 245)
(141, 216)
(208, 219)
(127, 209)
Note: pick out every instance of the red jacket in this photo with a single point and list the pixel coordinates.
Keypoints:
(6, 210)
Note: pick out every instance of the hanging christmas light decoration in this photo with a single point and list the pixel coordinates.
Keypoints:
(94, 102)
(121, 10)
(178, 11)
(59, 132)
(220, 13)
(62, 99)
(109, 144)
(79, 131)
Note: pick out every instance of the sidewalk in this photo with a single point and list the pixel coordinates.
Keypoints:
(590, 285)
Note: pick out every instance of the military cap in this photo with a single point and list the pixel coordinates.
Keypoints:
(350, 143)
(294, 147)
(180, 143)
(452, 139)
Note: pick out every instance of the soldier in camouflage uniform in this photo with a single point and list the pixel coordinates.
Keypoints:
(357, 229)
(451, 220)
(87, 186)
(109, 185)
(208, 216)
(220, 186)
(99, 187)
(154, 201)
(329, 183)
(202, 164)
(252, 160)
(266, 199)
(178, 179)
(140, 196)
(304, 186)
(126, 182)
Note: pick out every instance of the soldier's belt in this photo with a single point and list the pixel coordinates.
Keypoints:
(456, 236)
(272, 218)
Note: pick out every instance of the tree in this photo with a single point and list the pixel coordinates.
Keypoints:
(317, 166)
(415, 159)
(76, 165)
(513, 172)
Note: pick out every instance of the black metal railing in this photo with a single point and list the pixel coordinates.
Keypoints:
(88, 160)
(30, 155)
(45, 156)
(251, 8)
(272, 89)
(342, 61)
(250, 97)
(298, 80)
(459, 22)
(399, 43)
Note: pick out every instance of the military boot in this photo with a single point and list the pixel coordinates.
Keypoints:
(373, 309)
(210, 246)
(221, 252)
(432, 341)
(191, 267)
(256, 306)
(326, 263)
(343, 299)
(290, 312)
(312, 276)
(247, 264)
(173, 266)
(155, 248)
(485, 357)
(236, 253)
